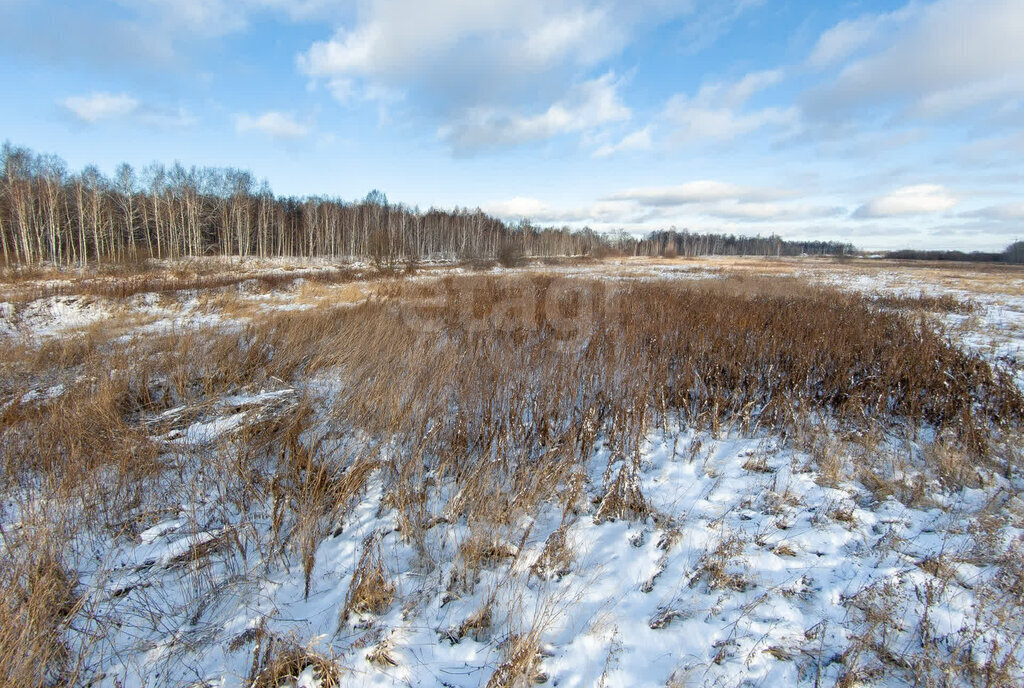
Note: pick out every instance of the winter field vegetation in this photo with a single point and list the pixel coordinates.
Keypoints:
(260, 472)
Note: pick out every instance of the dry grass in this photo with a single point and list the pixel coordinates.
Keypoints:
(286, 664)
(38, 600)
(717, 567)
(520, 666)
(977, 278)
(370, 591)
(478, 625)
(555, 560)
(20, 286)
(943, 303)
(498, 388)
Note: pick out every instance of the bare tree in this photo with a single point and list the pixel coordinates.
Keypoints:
(47, 215)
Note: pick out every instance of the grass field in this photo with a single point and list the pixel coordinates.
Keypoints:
(629, 472)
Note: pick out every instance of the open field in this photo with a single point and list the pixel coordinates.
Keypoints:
(629, 472)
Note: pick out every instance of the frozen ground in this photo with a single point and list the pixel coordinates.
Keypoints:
(754, 569)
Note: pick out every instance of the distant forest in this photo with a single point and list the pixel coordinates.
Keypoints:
(51, 215)
(1014, 253)
(672, 243)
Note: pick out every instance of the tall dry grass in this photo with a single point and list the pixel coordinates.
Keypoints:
(30, 284)
(498, 388)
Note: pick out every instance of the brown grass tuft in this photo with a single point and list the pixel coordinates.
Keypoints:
(288, 663)
(520, 667)
(38, 600)
(370, 591)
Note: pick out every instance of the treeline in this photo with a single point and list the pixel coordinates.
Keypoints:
(684, 243)
(1014, 253)
(51, 215)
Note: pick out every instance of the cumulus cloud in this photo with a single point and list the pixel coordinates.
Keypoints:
(461, 58)
(402, 38)
(946, 57)
(700, 191)
(502, 72)
(716, 112)
(586, 107)
(400, 42)
(99, 106)
(921, 199)
(276, 125)
(495, 74)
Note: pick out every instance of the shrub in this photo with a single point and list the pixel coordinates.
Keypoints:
(509, 255)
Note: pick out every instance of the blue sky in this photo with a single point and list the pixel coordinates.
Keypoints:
(887, 124)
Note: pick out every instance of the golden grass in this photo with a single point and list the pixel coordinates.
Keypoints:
(38, 601)
(283, 667)
(370, 591)
(498, 387)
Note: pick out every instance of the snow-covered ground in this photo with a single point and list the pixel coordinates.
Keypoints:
(751, 573)
(751, 569)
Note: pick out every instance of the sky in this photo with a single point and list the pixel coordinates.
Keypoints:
(885, 124)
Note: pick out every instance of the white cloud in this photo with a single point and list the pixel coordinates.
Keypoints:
(851, 35)
(401, 38)
(764, 212)
(304, 9)
(486, 70)
(536, 210)
(277, 125)
(724, 200)
(714, 21)
(566, 36)
(841, 41)
(700, 191)
(166, 118)
(703, 125)
(1013, 212)
(639, 140)
(518, 207)
(586, 107)
(212, 18)
(734, 95)
(131, 35)
(993, 150)
(920, 199)
(461, 54)
(198, 17)
(97, 107)
(953, 100)
(699, 202)
(947, 56)
(716, 113)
